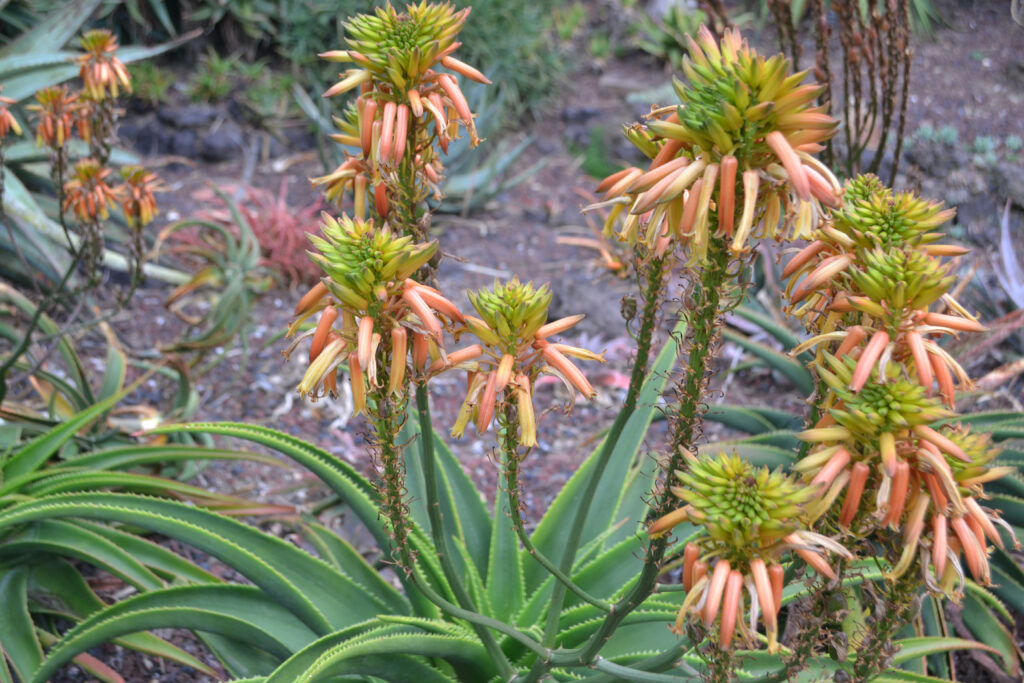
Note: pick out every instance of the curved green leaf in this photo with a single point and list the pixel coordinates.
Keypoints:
(37, 451)
(319, 595)
(241, 612)
(339, 553)
(62, 582)
(791, 369)
(739, 417)
(912, 648)
(376, 656)
(758, 454)
(505, 588)
(68, 539)
(353, 489)
(17, 632)
(153, 555)
(985, 626)
(339, 476)
(139, 455)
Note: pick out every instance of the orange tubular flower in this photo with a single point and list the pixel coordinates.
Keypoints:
(102, 74)
(138, 202)
(7, 121)
(367, 279)
(55, 111)
(87, 193)
(515, 349)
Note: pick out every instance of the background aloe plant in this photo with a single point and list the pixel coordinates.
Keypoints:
(29, 62)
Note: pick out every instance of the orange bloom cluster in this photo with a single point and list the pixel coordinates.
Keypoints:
(57, 113)
(515, 349)
(733, 160)
(87, 193)
(367, 296)
(749, 518)
(137, 201)
(866, 285)
(102, 74)
(406, 104)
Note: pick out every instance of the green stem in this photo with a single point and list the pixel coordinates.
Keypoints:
(625, 673)
(444, 551)
(37, 315)
(667, 659)
(510, 459)
(474, 617)
(652, 298)
(702, 334)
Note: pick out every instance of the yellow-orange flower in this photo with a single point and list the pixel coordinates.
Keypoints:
(138, 202)
(55, 109)
(515, 349)
(7, 121)
(101, 72)
(87, 193)
(733, 159)
(368, 303)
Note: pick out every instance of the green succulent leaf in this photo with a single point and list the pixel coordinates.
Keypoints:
(61, 581)
(240, 612)
(68, 539)
(547, 537)
(980, 618)
(36, 452)
(316, 593)
(346, 559)
(506, 590)
(791, 369)
(912, 648)
(17, 632)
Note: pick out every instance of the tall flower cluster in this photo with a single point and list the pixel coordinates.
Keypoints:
(732, 160)
(367, 296)
(750, 518)
(409, 104)
(514, 350)
(873, 287)
(83, 186)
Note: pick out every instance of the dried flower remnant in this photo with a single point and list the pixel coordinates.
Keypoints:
(103, 75)
(749, 519)
(367, 280)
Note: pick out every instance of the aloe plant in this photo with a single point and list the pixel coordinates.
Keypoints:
(778, 580)
(33, 60)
